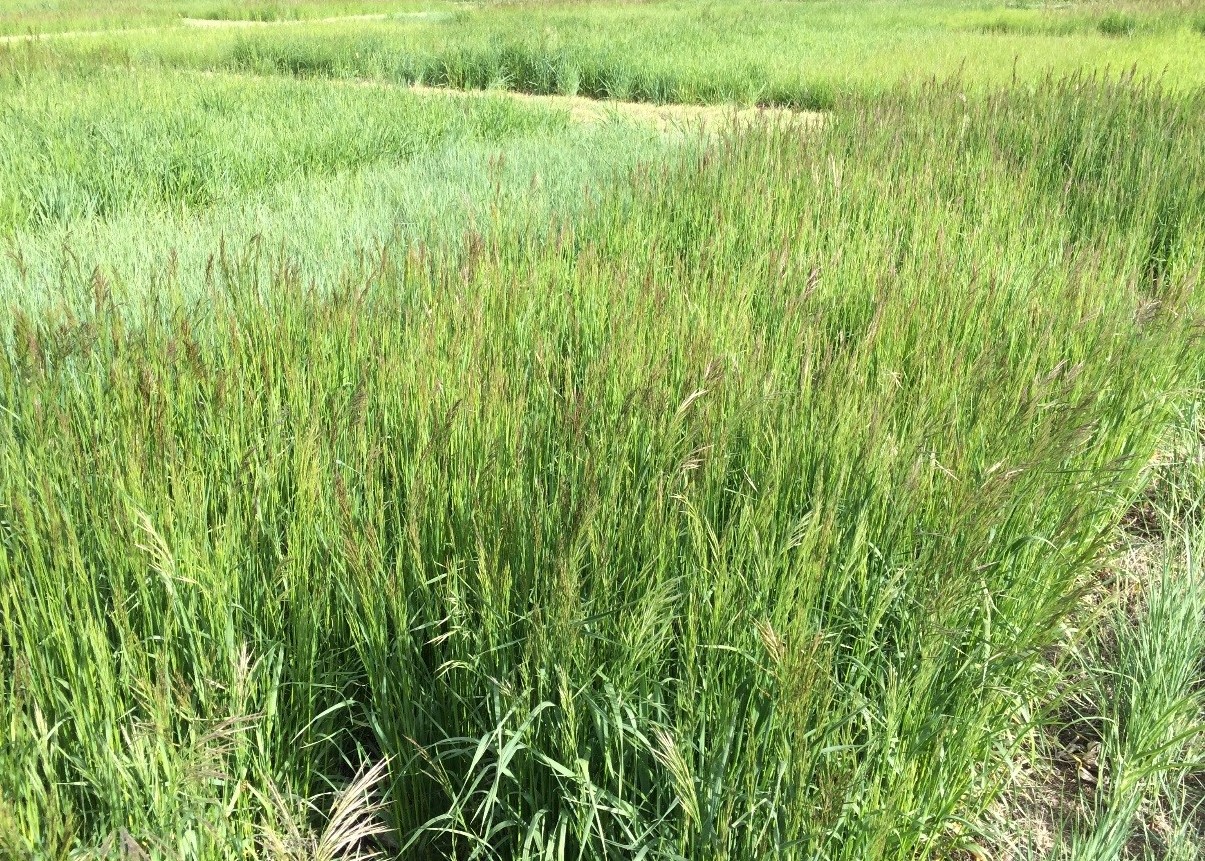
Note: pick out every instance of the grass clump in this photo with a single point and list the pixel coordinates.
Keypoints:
(1118, 24)
(1125, 747)
(262, 13)
(730, 521)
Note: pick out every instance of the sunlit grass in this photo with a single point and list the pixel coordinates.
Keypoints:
(806, 55)
(38, 16)
(731, 517)
(86, 142)
(440, 476)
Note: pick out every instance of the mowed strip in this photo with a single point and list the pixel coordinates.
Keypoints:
(666, 118)
(70, 34)
(200, 23)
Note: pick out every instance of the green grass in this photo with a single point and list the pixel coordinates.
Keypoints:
(139, 177)
(63, 16)
(1133, 706)
(301, 10)
(806, 55)
(1150, 702)
(82, 142)
(1073, 21)
(443, 477)
(326, 228)
(731, 518)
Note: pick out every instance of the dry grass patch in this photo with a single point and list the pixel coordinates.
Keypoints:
(666, 118)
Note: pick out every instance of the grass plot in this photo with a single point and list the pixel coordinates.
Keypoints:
(731, 519)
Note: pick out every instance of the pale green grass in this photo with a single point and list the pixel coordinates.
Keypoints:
(139, 178)
(1134, 709)
(86, 142)
(328, 229)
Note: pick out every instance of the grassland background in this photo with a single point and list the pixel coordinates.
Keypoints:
(799, 54)
(445, 477)
(71, 16)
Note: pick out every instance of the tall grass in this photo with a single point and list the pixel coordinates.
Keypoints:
(102, 182)
(85, 142)
(1132, 726)
(327, 229)
(1150, 704)
(729, 521)
(788, 54)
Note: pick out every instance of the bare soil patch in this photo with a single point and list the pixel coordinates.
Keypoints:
(665, 118)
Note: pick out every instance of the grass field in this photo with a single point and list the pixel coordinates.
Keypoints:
(18, 17)
(806, 55)
(414, 474)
